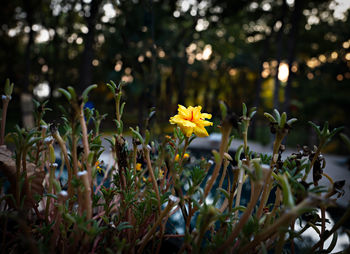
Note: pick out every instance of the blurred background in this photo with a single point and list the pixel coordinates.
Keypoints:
(293, 55)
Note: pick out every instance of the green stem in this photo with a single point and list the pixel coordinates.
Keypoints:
(155, 226)
(223, 147)
(254, 197)
(239, 189)
(48, 199)
(285, 219)
(268, 179)
(117, 106)
(226, 163)
(63, 148)
(154, 181)
(5, 103)
(85, 142)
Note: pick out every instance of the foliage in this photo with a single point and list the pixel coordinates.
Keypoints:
(126, 206)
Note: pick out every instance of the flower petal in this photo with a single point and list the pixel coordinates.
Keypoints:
(206, 123)
(201, 132)
(187, 130)
(205, 115)
(177, 119)
(191, 120)
(183, 111)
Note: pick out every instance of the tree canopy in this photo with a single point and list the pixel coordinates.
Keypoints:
(288, 54)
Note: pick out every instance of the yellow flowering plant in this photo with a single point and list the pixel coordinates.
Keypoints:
(151, 185)
(191, 120)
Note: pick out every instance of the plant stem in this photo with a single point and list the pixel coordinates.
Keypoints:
(223, 147)
(62, 145)
(245, 142)
(285, 219)
(48, 199)
(323, 225)
(155, 226)
(74, 150)
(254, 196)
(154, 181)
(239, 189)
(267, 186)
(117, 106)
(327, 234)
(226, 163)
(280, 242)
(85, 142)
(87, 202)
(275, 206)
(5, 103)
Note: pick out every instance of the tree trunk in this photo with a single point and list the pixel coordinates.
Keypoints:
(89, 41)
(26, 97)
(279, 42)
(292, 41)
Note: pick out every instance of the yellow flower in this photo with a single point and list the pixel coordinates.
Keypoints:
(138, 166)
(161, 174)
(186, 156)
(97, 165)
(191, 120)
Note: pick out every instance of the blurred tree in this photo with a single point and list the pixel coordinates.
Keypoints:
(188, 52)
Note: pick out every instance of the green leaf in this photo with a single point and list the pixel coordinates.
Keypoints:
(288, 199)
(291, 121)
(270, 117)
(86, 92)
(147, 136)
(258, 169)
(137, 135)
(334, 132)
(122, 109)
(65, 93)
(69, 218)
(72, 92)
(111, 88)
(230, 141)
(238, 153)
(226, 194)
(325, 130)
(316, 128)
(346, 140)
(216, 156)
(223, 109)
(57, 186)
(333, 243)
(283, 120)
(277, 116)
(252, 114)
(113, 84)
(8, 87)
(239, 208)
(51, 195)
(244, 109)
